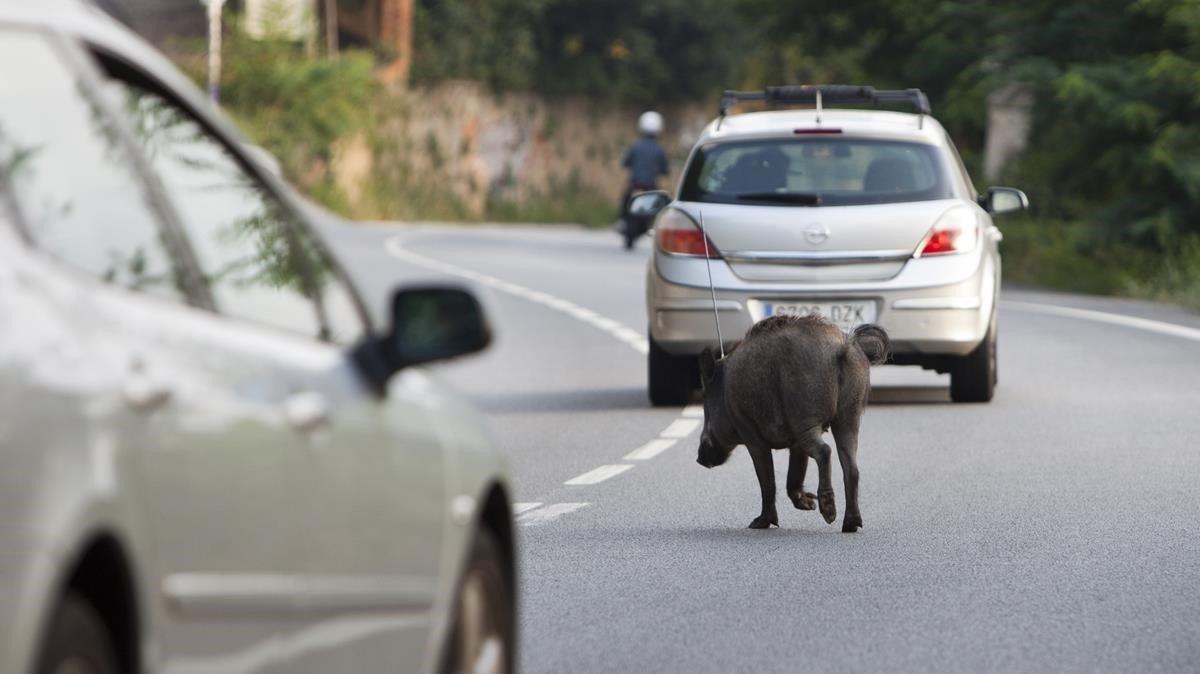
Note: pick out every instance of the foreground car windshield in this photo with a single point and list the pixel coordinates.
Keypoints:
(815, 172)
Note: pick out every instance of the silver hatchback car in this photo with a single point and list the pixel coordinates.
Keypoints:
(862, 216)
(211, 460)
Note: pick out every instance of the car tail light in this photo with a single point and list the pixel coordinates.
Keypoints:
(956, 231)
(819, 131)
(677, 234)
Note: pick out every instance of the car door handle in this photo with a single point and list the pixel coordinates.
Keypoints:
(306, 410)
(145, 394)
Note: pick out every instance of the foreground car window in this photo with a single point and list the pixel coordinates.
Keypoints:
(240, 232)
(815, 172)
(75, 185)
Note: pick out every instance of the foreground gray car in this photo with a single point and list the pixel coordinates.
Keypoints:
(211, 460)
(860, 216)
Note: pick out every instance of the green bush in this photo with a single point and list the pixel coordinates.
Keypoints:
(294, 105)
(1176, 279)
(590, 210)
(1066, 255)
(1082, 258)
(645, 52)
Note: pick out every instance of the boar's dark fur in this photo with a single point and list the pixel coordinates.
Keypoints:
(787, 382)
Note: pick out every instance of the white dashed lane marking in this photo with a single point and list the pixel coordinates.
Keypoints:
(599, 474)
(680, 428)
(651, 449)
(690, 418)
(548, 513)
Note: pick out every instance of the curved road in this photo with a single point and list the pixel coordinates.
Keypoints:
(1056, 528)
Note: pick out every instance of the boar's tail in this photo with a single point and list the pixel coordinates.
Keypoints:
(873, 341)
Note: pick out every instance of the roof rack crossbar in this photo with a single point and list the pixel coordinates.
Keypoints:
(831, 94)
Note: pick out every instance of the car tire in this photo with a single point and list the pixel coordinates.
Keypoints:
(483, 635)
(973, 379)
(77, 641)
(671, 378)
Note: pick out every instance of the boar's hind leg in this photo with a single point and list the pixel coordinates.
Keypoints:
(797, 467)
(764, 468)
(845, 434)
(821, 452)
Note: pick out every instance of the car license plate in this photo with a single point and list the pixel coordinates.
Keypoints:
(845, 315)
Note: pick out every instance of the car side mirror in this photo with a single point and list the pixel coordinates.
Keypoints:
(648, 203)
(1001, 200)
(435, 323)
(429, 323)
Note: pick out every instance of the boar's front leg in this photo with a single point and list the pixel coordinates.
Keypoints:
(797, 467)
(764, 468)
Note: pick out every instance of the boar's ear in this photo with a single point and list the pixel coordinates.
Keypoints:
(708, 366)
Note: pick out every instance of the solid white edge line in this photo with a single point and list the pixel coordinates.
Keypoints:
(628, 336)
(600, 474)
(693, 412)
(680, 428)
(1146, 324)
(651, 449)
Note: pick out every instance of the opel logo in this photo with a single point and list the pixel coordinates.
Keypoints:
(816, 233)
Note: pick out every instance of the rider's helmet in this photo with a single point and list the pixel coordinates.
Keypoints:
(650, 123)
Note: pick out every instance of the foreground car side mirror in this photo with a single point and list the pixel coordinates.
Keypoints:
(435, 323)
(648, 203)
(429, 323)
(999, 200)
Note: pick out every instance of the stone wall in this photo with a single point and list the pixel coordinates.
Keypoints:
(460, 139)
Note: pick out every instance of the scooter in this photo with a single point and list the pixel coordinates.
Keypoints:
(634, 224)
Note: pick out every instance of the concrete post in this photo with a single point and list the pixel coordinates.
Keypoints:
(214, 50)
(1010, 111)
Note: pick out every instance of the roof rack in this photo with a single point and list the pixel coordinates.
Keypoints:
(820, 94)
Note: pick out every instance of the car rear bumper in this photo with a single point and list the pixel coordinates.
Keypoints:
(948, 319)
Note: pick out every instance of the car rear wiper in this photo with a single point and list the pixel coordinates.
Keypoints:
(798, 198)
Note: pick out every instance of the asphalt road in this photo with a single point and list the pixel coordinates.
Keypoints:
(1054, 529)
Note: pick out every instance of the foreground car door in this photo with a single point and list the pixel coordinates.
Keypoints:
(371, 501)
(192, 410)
(377, 509)
(223, 472)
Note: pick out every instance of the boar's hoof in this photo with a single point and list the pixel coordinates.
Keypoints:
(804, 501)
(828, 506)
(851, 523)
(764, 521)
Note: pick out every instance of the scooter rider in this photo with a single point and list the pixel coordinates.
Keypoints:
(645, 160)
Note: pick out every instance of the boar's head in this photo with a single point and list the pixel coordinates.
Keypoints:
(718, 437)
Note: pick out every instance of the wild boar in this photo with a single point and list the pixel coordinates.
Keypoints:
(789, 380)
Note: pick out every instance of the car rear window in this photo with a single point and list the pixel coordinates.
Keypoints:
(815, 172)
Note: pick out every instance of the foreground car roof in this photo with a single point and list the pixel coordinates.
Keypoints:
(880, 123)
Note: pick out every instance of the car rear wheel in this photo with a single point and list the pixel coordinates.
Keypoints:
(671, 378)
(973, 379)
(77, 641)
(483, 636)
